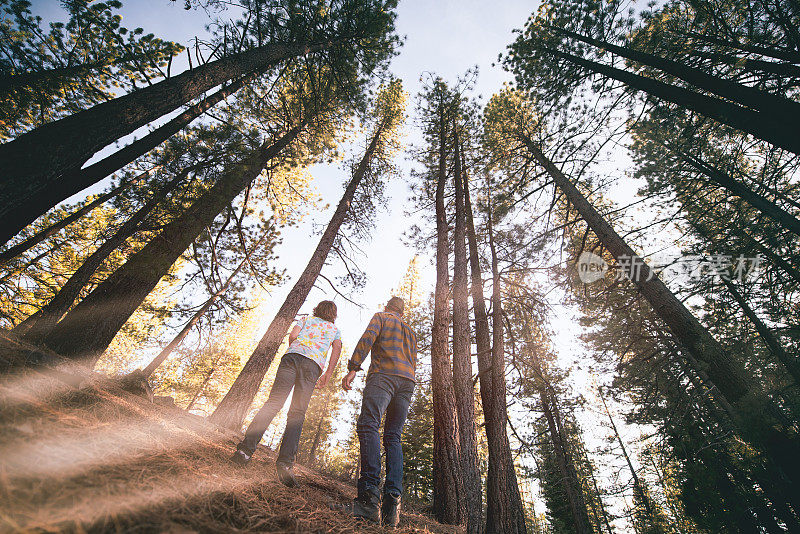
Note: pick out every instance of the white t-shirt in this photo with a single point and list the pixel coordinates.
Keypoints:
(314, 340)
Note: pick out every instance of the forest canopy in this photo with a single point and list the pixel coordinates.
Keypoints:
(596, 237)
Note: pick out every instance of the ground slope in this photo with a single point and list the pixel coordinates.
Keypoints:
(95, 458)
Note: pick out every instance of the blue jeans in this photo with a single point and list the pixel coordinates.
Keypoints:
(391, 395)
(295, 371)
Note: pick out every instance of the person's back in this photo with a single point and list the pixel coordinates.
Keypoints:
(394, 346)
(300, 370)
(388, 390)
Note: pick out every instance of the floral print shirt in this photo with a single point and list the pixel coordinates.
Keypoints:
(314, 340)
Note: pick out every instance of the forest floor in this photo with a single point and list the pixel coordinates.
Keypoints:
(95, 458)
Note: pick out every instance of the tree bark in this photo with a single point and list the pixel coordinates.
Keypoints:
(237, 401)
(36, 327)
(759, 422)
(49, 194)
(87, 330)
(30, 242)
(448, 487)
(755, 123)
(33, 160)
(505, 513)
(463, 388)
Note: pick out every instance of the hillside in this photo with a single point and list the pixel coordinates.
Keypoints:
(95, 458)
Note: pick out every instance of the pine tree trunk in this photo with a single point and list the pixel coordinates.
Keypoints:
(448, 487)
(237, 401)
(569, 478)
(172, 345)
(789, 362)
(206, 380)
(759, 421)
(505, 513)
(763, 204)
(637, 484)
(25, 211)
(87, 330)
(776, 107)
(463, 388)
(36, 327)
(33, 160)
(30, 242)
(748, 121)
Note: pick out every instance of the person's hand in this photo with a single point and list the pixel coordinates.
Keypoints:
(347, 381)
(323, 380)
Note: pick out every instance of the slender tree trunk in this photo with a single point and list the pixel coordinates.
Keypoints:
(776, 107)
(758, 419)
(787, 267)
(33, 160)
(748, 121)
(789, 362)
(315, 443)
(763, 204)
(76, 180)
(172, 345)
(505, 513)
(570, 482)
(36, 327)
(200, 390)
(784, 55)
(30, 242)
(237, 401)
(463, 388)
(87, 330)
(637, 484)
(448, 486)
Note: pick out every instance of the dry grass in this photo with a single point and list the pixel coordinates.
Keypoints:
(98, 459)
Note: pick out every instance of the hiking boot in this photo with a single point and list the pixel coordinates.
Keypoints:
(366, 505)
(240, 458)
(286, 475)
(390, 510)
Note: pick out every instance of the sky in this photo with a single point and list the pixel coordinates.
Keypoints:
(443, 37)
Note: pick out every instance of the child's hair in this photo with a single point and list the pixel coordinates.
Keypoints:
(326, 310)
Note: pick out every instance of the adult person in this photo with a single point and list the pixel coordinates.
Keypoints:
(388, 390)
(300, 368)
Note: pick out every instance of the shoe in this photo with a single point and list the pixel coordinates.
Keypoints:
(364, 507)
(240, 458)
(286, 476)
(390, 510)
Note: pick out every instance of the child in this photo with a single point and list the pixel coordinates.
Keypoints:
(300, 368)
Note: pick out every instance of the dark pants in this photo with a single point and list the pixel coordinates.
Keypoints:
(390, 395)
(295, 371)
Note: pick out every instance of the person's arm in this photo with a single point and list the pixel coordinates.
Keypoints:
(362, 349)
(335, 353)
(294, 333)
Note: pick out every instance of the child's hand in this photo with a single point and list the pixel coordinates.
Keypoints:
(323, 380)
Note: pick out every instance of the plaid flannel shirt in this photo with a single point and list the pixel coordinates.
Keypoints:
(393, 344)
